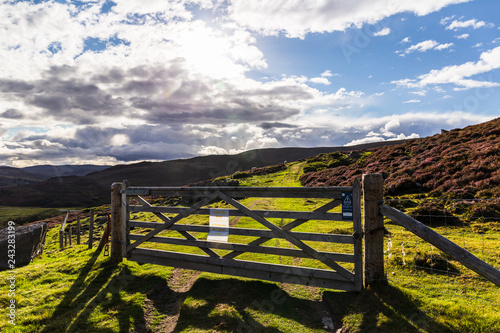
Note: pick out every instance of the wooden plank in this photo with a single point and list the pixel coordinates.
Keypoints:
(444, 244)
(116, 222)
(358, 235)
(173, 220)
(244, 192)
(373, 194)
(184, 233)
(249, 269)
(78, 226)
(343, 257)
(125, 218)
(61, 240)
(316, 237)
(91, 229)
(234, 212)
(323, 209)
(295, 241)
(65, 220)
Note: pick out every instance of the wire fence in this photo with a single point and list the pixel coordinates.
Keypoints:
(473, 224)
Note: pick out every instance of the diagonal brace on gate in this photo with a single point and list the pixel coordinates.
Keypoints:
(173, 220)
(292, 239)
(287, 227)
(167, 219)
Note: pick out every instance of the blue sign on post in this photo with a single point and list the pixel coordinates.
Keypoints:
(347, 206)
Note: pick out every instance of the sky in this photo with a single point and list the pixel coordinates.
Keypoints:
(113, 82)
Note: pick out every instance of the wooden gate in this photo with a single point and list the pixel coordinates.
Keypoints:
(220, 257)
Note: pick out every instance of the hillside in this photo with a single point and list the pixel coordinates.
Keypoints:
(15, 177)
(93, 189)
(462, 163)
(50, 171)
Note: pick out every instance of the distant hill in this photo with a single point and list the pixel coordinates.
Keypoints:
(15, 177)
(10, 176)
(461, 163)
(64, 170)
(94, 188)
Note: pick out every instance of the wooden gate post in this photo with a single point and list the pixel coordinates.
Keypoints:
(373, 196)
(116, 222)
(78, 230)
(91, 229)
(61, 240)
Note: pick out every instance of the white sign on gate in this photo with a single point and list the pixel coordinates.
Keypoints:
(219, 225)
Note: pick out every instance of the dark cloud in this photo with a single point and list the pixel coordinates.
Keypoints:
(15, 86)
(150, 151)
(292, 92)
(12, 114)
(157, 95)
(52, 103)
(113, 75)
(72, 99)
(266, 125)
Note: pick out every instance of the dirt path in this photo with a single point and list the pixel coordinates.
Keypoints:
(167, 299)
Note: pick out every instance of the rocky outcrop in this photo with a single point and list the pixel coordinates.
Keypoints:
(30, 241)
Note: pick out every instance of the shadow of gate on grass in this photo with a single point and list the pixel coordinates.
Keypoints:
(380, 309)
(235, 305)
(255, 306)
(76, 311)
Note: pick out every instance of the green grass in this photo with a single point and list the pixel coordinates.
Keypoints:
(78, 290)
(22, 215)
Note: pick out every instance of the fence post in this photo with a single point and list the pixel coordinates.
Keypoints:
(78, 230)
(91, 228)
(61, 240)
(358, 235)
(373, 196)
(116, 222)
(70, 231)
(125, 218)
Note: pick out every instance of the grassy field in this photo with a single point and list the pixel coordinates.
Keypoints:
(22, 215)
(79, 290)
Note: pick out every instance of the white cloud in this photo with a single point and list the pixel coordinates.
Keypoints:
(384, 32)
(320, 80)
(405, 40)
(419, 92)
(459, 74)
(443, 46)
(426, 46)
(412, 101)
(212, 150)
(406, 126)
(462, 36)
(475, 24)
(328, 73)
(297, 18)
